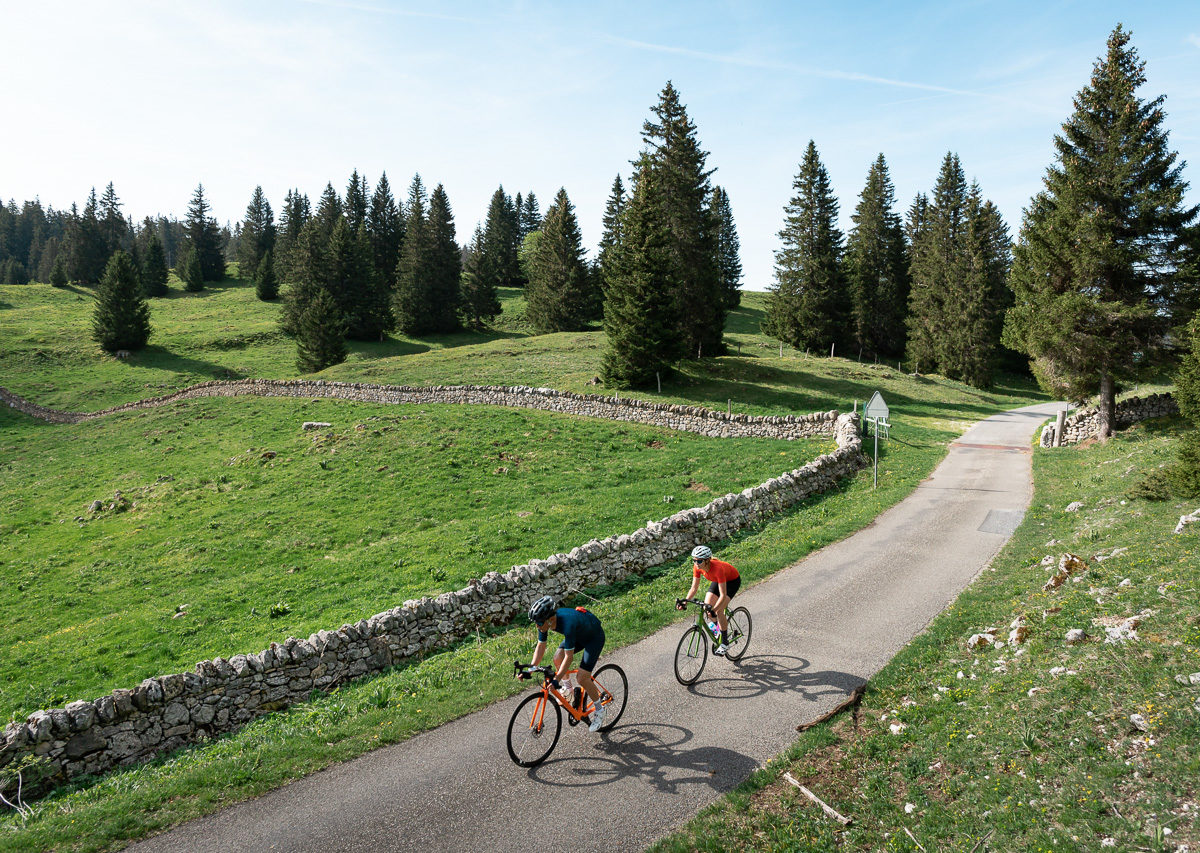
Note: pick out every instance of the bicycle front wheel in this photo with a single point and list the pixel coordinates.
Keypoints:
(614, 692)
(690, 655)
(534, 729)
(740, 626)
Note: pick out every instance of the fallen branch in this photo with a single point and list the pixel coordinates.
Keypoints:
(843, 820)
(855, 698)
(913, 837)
(980, 841)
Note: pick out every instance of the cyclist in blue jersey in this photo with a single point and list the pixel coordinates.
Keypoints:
(581, 630)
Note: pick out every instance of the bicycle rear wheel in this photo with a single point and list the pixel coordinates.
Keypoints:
(614, 692)
(690, 655)
(740, 627)
(534, 729)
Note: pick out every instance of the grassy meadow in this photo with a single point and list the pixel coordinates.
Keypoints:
(241, 529)
(1033, 747)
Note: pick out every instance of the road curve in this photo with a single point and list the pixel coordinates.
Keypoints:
(822, 627)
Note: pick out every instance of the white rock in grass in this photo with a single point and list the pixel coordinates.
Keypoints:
(896, 728)
(1194, 678)
(1074, 506)
(1125, 582)
(1108, 842)
(978, 641)
(909, 808)
(1139, 722)
(315, 425)
(1075, 636)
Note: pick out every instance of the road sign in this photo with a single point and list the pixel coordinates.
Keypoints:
(876, 408)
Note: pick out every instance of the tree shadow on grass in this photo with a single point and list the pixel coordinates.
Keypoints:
(159, 357)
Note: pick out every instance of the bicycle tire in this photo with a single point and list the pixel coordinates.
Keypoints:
(739, 620)
(693, 647)
(610, 680)
(529, 745)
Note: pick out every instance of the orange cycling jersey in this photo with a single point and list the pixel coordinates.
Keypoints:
(718, 571)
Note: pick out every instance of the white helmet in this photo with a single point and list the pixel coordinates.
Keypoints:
(701, 553)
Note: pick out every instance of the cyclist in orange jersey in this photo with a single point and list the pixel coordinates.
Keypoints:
(724, 583)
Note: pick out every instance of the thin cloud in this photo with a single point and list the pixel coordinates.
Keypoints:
(827, 73)
(384, 10)
(1193, 38)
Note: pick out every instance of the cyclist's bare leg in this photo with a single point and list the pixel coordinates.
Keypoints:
(718, 604)
(589, 686)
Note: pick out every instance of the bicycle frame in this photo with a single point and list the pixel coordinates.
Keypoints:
(550, 692)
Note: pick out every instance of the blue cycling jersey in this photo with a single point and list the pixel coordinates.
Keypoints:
(578, 628)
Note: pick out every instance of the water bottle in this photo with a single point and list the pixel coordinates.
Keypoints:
(714, 628)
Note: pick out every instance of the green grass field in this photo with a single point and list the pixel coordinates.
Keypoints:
(391, 503)
(1021, 748)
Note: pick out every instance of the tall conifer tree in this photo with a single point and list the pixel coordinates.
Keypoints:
(809, 305)
(357, 201)
(611, 240)
(204, 237)
(1103, 243)
(501, 240)
(296, 212)
(443, 265)
(154, 268)
(311, 271)
(411, 297)
(877, 267)
(729, 261)
(480, 304)
(257, 235)
(321, 333)
(385, 225)
(121, 319)
(557, 294)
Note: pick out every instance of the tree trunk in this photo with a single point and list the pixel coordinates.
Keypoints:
(1107, 408)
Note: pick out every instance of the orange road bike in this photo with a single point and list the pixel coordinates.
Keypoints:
(692, 652)
(536, 724)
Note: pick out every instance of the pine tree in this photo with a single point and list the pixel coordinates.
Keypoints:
(329, 211)
(191, 272)
(266, 284)
(528, 216)
(257, 233)
(674, 157)
(411, 298)
(311, 271)
(121, 320)
(1187, 378)
(385, 225)
(204, 236)
(357, 193)
(611, 240)
(501, 240)
(443, 265)
(113, 229)
(557, 294)
(58, 275)
(362, 302)
(1102, 243)
(154, 268)
(877, 267)
(809, 305)
(729, 262)
(88, 252)
(480, 304)
(640, 324)
(296, 213)
(321, 333)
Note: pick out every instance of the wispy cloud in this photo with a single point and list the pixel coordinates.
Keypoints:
(749, 62)
(1194, 39)
(387, 10)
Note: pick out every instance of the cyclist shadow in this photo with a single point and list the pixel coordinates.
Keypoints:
(651, 752)
(759, 674)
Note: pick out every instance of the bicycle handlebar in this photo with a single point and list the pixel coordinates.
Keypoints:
(707, 607)
(518, 668)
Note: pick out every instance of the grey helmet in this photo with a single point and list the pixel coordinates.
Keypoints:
(701, 552)
(542, 609)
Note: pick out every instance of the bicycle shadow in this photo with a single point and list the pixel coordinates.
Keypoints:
(759, 674)
(650, 752)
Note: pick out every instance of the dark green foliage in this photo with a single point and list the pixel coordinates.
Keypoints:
(154, 268)
(204, 237)
(557, 294)
(13, 271)
(480, 304)
(501, 240)
(959, 266)
(113, 228)
(528, 217)
(257, 236)
(363, 303)
(1187, 378)
(443, 265)
(611, 240)
(1184, 474)
(385, 226)
(121, 320)
(356, 201)
(329, 211)
(639, 307)
(877, 267)
(677, 163)
(310, 273)
(296, 213)
(411, 297)
(1154, 485)
(191, 272)
(58, 275)
(320, 340)
(729, 261)
(809, 305)
(1097, 267)
(266, 283)
(86, 250)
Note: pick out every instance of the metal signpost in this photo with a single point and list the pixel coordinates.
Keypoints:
(876, 410)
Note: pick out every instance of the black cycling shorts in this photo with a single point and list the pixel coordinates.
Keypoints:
(731, 587)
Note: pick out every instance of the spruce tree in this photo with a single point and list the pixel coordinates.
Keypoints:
(877, 267)
(528, 216)
(443, 265)
(809, 305)
(329, 211)
(257, 234)
(88, 252)
(673, 155)
(501, 240)
(364, 304)
(611, 240)
(191, 272)
(113, 228)
(480, 304)
(411, 298)
(204, 236)
(1102, 243)
(311, 273)
(355, 208)
(266, 283)
(121, 320)
(640, 324)
(58, 275)
(153, 266)
(320, 338)
(385, 226)
(557, 294)
(296, 213)
(729, 261)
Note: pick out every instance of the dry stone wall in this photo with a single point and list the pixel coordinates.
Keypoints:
(221, 695)
(1085, 423)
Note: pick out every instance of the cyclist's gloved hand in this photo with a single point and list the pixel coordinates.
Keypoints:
(679, 605)
(524, 676)
(556, 683)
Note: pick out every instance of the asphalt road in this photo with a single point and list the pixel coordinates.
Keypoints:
(821, 628)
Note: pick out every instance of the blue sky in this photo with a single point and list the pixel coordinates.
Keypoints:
(157, 97)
